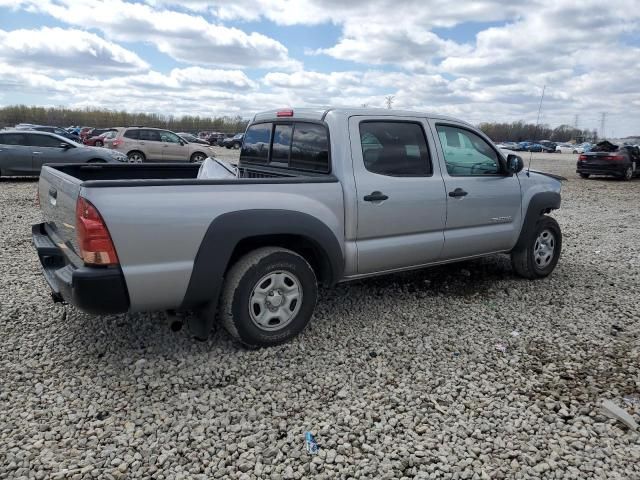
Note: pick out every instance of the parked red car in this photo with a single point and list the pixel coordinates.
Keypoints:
(98, 140)
(84, 132)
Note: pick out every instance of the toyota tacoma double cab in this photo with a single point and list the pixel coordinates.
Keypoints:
(321, 196)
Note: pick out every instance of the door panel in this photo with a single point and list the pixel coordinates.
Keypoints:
(484, 212)
(45, 149)
(172, 149)
(405, 228)
(15, 154)
(150, 144)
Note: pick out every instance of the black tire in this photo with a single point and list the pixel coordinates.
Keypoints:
(197, 157)
(628, 174)
(99, 143)
(134, 155)
(236, 145)
(585, 175)
(243, 279)
(525, 262)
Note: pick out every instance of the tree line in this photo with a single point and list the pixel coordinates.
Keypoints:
(520, 131)
(96, 117)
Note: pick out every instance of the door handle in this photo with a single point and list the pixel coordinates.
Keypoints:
(458, 192)
(375, 197)
(37, 153)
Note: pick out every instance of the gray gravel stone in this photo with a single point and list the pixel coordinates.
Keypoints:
(397, 377)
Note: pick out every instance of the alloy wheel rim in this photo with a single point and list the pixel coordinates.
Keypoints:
(275, 300)
(544, 248)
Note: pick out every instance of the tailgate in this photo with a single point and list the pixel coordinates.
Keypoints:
(58, 193)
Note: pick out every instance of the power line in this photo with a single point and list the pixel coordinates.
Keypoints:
(389, 100)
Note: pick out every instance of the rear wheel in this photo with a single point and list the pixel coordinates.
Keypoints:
(268, 297)
(136, 157)
(236, 145)
(585, 175)
(541, 251)
(99, 143)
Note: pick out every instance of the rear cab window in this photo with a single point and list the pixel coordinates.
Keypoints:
(298, 145)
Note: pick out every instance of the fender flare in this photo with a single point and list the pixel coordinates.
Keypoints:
(229, 229)
(540, 203)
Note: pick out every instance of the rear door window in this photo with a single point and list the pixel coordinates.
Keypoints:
(132, 134)
(16, 139)
(310, 147)
(255, 148)
(150, 135)
(395, 149)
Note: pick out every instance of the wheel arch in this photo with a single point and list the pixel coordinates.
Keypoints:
(233, 234)
(540, 204)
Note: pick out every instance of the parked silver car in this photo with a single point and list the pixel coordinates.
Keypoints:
(25, 152)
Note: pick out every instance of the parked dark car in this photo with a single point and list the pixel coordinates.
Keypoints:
(609, 159)
(57, 130)
(24, 152)
(548, 146)
(216, 139)
(189, 138)
(234, 142)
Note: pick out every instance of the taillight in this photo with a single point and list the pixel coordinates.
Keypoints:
(96, 247)
(285, 113)
(582, 157)
(116, 143)
(615, 158)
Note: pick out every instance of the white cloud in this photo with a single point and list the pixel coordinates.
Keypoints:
(587, 56)
(64, 51)
(185, 37)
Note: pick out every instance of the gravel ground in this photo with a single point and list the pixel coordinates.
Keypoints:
(397, 377)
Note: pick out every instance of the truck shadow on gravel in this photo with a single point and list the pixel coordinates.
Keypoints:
(115, 337)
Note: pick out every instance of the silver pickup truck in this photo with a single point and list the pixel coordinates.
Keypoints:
(321, 196)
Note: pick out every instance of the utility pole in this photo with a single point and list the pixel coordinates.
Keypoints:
(603, 118)
(364, 105)
(575, 120)
(389, 100)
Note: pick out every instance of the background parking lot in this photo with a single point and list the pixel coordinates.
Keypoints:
(461, 371)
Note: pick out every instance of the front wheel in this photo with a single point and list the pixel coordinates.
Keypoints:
(198, 157)
(236, 146)
(540, 254)
(268, 297)
(628, 174)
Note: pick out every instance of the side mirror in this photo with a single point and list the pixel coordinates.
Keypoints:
(515, 164)
(64, 145)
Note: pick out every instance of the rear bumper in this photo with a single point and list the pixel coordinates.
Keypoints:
(90, 289)
(616, 169)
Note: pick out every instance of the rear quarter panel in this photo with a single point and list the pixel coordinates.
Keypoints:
(157, 230)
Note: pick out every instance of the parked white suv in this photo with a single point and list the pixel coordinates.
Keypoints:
(142, 144)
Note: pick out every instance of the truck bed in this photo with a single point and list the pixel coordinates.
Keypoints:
(158, 215)
(148, 174)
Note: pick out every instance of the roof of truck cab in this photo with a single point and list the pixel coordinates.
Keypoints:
(321, 113)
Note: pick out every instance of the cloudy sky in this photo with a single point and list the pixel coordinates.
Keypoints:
(482, 60)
